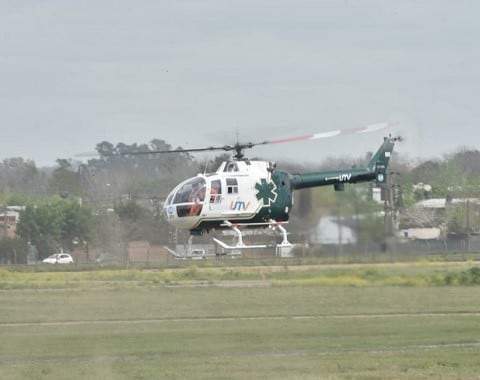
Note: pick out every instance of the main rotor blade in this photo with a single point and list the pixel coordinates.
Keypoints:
(180, 150)
(323, 135)
(177, 150)
(239, 147)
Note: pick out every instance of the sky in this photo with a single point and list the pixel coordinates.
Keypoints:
(201, 73)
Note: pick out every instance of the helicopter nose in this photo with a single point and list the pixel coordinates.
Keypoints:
(170, 212)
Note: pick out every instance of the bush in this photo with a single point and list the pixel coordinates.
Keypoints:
(13, 251)
(471, 276)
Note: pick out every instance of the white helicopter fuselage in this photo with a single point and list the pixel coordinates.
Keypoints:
(238, 191)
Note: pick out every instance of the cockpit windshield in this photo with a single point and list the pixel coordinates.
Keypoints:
(191, 191)
(189, 197)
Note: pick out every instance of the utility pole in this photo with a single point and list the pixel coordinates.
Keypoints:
(389, 206)
(467, 222)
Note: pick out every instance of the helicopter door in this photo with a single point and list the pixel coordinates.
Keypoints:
(215, 200)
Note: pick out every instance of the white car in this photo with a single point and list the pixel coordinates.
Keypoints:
(58, 258)
(197, 254)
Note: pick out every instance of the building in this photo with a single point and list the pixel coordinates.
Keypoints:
(9, 219)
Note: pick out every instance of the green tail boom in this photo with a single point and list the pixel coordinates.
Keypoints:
(376, 170)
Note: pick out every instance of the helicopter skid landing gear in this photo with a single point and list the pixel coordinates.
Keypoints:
(283, 249)
(283, 231)
(237, 231)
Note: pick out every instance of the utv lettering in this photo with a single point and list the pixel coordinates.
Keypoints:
(344, 177)
(239, 206)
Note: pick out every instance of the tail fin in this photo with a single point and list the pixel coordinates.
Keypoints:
(375, 171)
(381, 158)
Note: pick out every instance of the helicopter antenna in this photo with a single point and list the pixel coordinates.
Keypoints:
(206, 166)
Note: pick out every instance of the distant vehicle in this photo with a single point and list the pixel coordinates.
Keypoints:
(58, 258)
(197, 254)
(189, 254)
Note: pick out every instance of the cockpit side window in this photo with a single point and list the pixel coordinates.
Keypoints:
(232, 186)
(215, 191)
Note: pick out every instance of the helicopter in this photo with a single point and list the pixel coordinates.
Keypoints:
(244, 193)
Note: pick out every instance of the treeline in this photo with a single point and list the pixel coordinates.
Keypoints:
(107, 200)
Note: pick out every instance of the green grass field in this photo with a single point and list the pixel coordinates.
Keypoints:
(251, 323)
